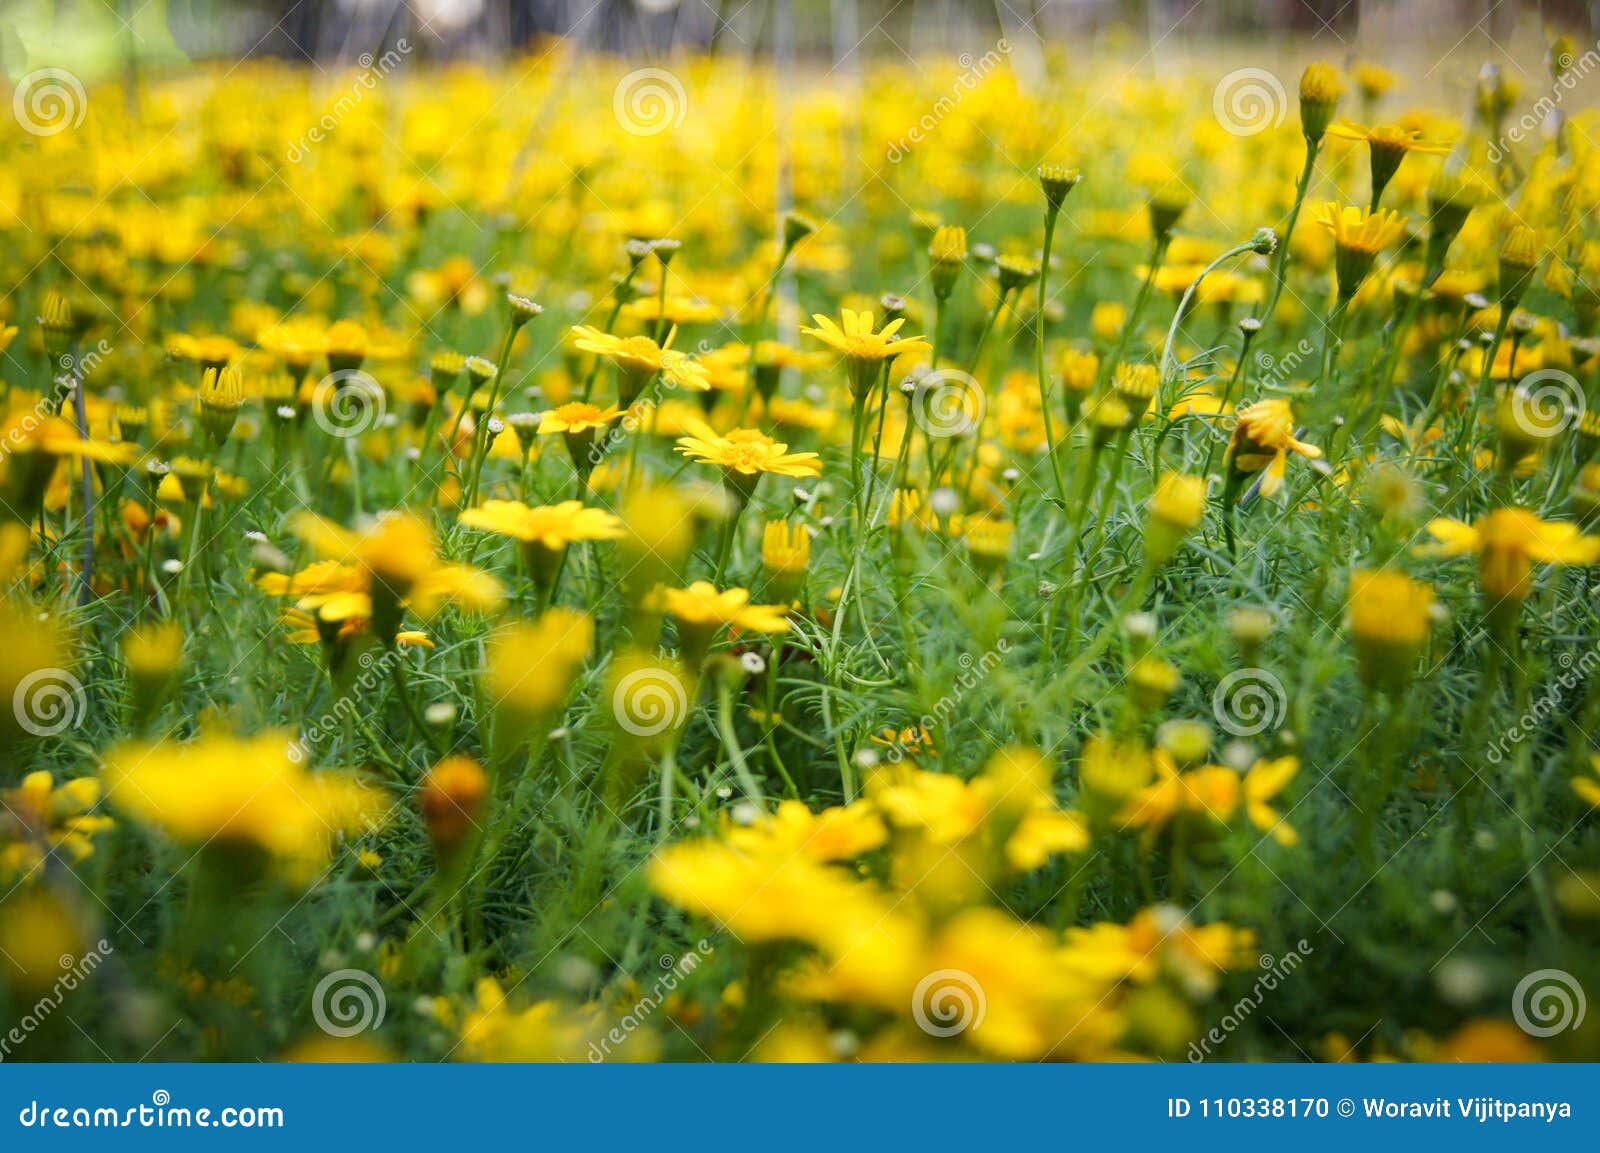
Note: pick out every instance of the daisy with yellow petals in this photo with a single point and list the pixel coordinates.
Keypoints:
(863, 349)
(702, 611)
(545, 531)
(393, 565)
(1358, 237)
(744, 455)
(1509, 542)
(1262, 439)
(1387, 146)
(579, 422)
(639, 359)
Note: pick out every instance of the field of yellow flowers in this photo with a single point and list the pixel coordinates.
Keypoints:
(570, 562)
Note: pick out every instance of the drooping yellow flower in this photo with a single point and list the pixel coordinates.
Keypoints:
(1509, 542)
(1263, 437)
(245, 792)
